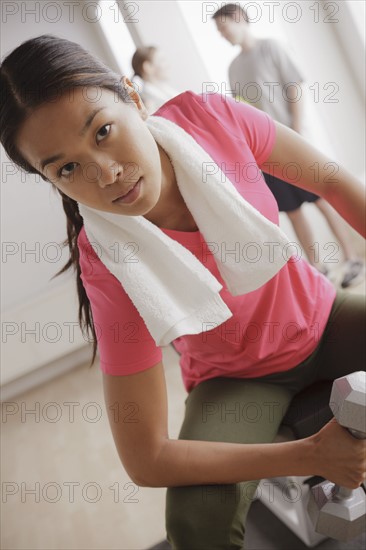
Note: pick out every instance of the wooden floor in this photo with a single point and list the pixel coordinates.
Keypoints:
(63, 486)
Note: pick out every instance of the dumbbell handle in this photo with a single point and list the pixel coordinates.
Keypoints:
(340, 492)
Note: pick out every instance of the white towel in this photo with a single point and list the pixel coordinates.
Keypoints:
(171, 289)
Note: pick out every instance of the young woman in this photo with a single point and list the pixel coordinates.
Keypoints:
(55, 124)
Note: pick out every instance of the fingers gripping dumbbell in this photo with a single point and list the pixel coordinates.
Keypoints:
(336, 511)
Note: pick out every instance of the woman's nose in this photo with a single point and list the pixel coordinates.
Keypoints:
(109, 172)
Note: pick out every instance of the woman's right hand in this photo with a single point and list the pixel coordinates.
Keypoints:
(340, 457)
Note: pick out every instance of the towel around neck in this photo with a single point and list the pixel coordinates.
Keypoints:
(171, 289)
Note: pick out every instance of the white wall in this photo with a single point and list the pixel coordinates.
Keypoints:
(320, 47)
(32, 218)
(33, 223)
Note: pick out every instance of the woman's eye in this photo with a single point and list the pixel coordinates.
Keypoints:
(67, 169)
(103, 132)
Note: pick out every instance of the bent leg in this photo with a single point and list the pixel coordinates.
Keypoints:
(212, 517)
(343, 348)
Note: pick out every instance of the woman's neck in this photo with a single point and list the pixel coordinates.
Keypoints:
(154, 81)
(171, 211)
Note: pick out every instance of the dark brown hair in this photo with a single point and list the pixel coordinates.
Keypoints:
(234, 11)
(145, 53)
(40, 70)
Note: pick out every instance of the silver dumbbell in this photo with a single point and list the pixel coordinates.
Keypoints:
(336, 511)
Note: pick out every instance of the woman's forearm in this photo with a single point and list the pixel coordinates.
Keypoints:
(182, 462)
(296, 110)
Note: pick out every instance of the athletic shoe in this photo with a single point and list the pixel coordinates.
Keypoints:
(323, 270)
(353, 273)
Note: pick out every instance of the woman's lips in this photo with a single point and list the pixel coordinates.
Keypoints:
(131, 196)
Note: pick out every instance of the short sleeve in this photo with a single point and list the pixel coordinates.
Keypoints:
(124, 343)
(288, 71)
(244, 122)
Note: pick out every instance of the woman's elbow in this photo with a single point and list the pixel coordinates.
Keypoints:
(147, 479)
(147, 472)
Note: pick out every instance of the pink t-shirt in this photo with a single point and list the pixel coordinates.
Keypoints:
(273, 328)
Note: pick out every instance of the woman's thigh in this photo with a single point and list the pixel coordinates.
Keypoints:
(343, 348)
(224, 410)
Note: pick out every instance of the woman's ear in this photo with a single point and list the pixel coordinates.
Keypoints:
(135, 97)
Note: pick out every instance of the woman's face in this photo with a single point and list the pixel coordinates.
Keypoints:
(161, 65)
(94, 147)
(158, 67)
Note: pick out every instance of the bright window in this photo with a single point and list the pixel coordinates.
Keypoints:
(358, 11)
(117, 35)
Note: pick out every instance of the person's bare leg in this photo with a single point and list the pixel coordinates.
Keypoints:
(336, 224)
(353, 271)
(305, 235)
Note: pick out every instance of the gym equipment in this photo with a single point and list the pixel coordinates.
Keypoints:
(287, 497)
(339, 512)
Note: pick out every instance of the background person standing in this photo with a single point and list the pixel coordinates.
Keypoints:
(266, 77)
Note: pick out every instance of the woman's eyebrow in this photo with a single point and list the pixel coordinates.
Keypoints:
(89, 120)
(87, 124)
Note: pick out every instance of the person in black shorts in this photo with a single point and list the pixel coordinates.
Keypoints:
(262, 62)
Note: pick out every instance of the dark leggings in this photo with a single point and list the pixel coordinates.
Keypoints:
(212, 517)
